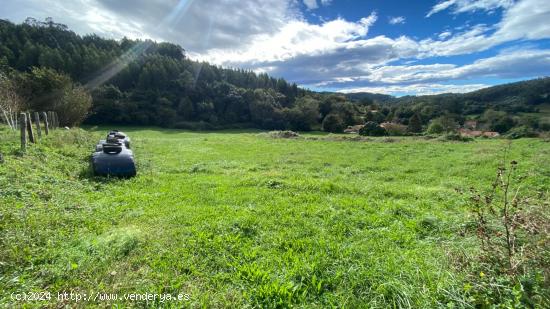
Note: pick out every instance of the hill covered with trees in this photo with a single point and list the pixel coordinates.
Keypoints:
(139, 82)
(498, 108)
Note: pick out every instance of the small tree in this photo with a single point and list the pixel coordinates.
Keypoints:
(497, 121)
(435, 127)
(415, 124)
(333, 123)
(10, 102)
(372, 129)
(73, 106)
(442, 124)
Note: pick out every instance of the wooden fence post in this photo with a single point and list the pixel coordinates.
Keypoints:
(23, 126)
(29, 129)
(54, 120)
(46, 127)
(50, 119)
(37, 122)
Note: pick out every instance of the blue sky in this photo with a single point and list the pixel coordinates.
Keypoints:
(394, 47)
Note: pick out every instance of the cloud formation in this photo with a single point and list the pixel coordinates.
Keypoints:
(297, 38)
(396, 20)
(274, 36)
(463, 6)
(418, 89)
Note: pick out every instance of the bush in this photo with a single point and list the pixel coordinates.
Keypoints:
(73, 106)
(455, 137)
(435, 128)
(283, 134)
(544, 124)
(415, 124)
(333, 123)
(372, 129)
(521, 131)
(396, 129)
(498, 121)
(441, 125)
(48, 90)
(511, 227)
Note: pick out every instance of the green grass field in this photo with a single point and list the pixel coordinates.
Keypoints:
(240, 219)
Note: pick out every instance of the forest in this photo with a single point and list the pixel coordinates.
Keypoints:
(134, 82)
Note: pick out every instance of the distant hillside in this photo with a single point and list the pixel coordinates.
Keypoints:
(524, 96)
(518, 96)
(145, 82)
(149, 83)
(369, 97)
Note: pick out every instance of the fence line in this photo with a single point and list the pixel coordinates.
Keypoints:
(45, 119)
(29, 129)
(50, 121)
(23, 123)
(37, 122)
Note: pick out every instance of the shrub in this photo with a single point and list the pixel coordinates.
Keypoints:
(512, 228)
(372, 129)
(73, 106)
(396, 129)
(415, 124)
(435, 128)
(544, 124)
(521, 131)
(45, 89)
(333, 123)
(441, 125)
(453, 136)
(498, 121)
(283, 134)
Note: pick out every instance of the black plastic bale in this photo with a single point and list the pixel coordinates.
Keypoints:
(113, 157)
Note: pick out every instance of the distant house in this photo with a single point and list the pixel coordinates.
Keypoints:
(477, 133)
(470, 124)
(386, 124)
(490, 134)
(469, 133)
(353, 129)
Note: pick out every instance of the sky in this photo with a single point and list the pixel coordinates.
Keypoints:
(393, 47)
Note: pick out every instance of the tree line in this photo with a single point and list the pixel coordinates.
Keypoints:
(103, 81)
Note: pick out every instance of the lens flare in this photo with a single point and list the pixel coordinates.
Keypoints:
(113, 68)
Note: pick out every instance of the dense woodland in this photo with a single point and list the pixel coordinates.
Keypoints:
(103, 81)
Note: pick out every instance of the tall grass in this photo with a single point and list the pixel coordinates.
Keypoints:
(237, 219)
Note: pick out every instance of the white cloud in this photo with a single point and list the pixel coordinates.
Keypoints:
(201, 25)
(82, 16)
(311, 4)
(314, 4)
(272, 36)
(417, 89)
(445, 34)
(526, 20)
(440, 7)
(510, 64)
(296, 38)
(396, 20)
(463, 6)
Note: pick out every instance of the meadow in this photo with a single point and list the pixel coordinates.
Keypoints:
(242, 219)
